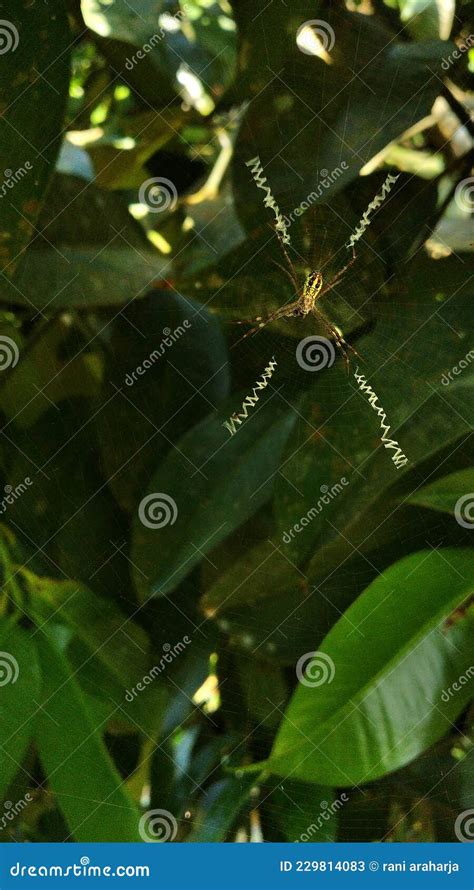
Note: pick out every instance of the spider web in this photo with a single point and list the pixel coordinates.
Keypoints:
(256, 286)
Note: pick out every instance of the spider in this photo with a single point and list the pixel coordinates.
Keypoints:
(307, 296)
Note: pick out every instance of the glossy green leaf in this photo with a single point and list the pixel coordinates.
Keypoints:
(89, 251)
(151, 41)
(56, 454)
(116, 653)
(338, 433)
(87, 786)
(210, 475)
(20, 688)
(221, 807)
(305, 812)
(426, 19)
(314, 115)
(35, 70)
(167, 367)
(446, 493)
(382, 703)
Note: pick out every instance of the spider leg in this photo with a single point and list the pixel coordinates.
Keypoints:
(342, 344)
(337, 277)
(282, 312)
(288, 274)
(287, 259)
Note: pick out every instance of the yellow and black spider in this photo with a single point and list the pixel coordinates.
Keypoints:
(307, 293)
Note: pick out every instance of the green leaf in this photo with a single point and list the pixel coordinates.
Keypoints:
(143, 134)
(425, 417)
(385, 704)
(20, 687)
(35, 75)
(217, 482)
(89, 251)
(115, 640)
(181, 356)
(444, 494)
(313, 116)
(153, 42)
(253, 598)
(42, 368)
(80, 772)
(305, 812)
(223, 802)
(84, 509)
(111, 641)
(427, 19)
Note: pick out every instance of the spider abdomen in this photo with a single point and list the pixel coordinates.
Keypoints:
(311, 290)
